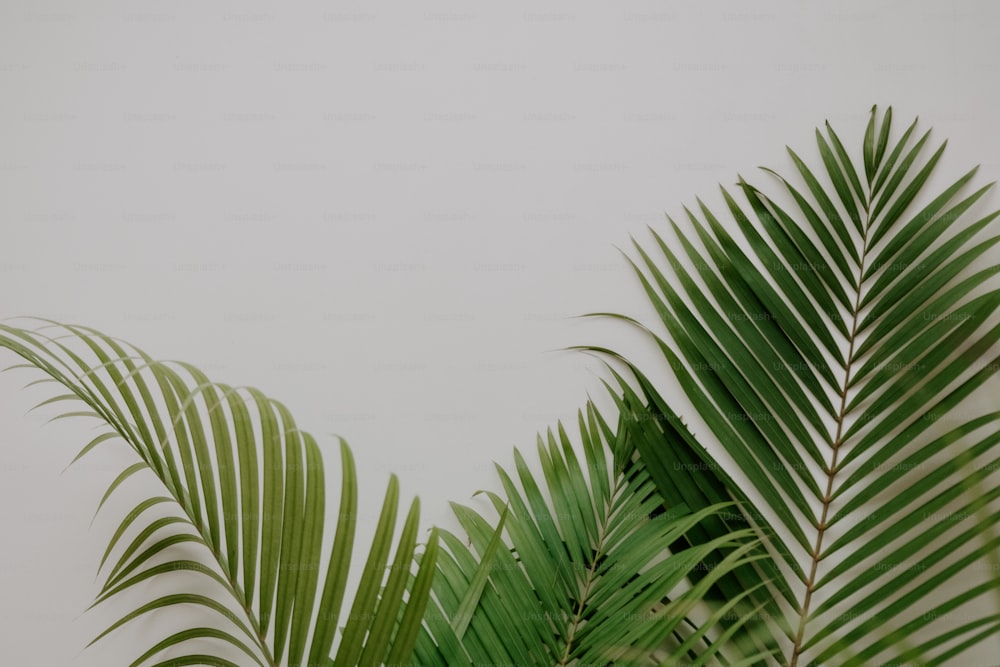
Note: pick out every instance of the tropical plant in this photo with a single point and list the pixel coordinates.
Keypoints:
(828, 508)
(586, 577)
(246, 486)
(828, 353)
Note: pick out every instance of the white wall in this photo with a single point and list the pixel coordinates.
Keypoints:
(384, 215)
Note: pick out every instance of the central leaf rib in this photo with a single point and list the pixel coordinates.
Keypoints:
(817, 554)
(585, 591)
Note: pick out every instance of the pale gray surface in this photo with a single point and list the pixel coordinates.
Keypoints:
(383, 216)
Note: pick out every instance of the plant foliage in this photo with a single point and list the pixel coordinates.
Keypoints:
(247, 486)
(585, 576)
(828, 348)
(832, 506)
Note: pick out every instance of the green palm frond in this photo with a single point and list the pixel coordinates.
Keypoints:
(828, 346)
(247, 487)
(577, 570)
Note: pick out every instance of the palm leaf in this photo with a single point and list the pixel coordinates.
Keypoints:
(576, 570)
(829, 352)
(247, 487)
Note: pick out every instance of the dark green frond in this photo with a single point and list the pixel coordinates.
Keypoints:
(861, 327)
(589, 565)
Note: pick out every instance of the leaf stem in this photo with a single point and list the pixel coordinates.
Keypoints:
(817, 554)
(590, 577)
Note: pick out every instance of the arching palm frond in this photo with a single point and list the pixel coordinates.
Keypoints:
(246, 486)
(829, 346)
(577, 570)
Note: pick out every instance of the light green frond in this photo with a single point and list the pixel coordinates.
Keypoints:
(247, 487)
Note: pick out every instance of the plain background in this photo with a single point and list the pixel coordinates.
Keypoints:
(386, 216)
